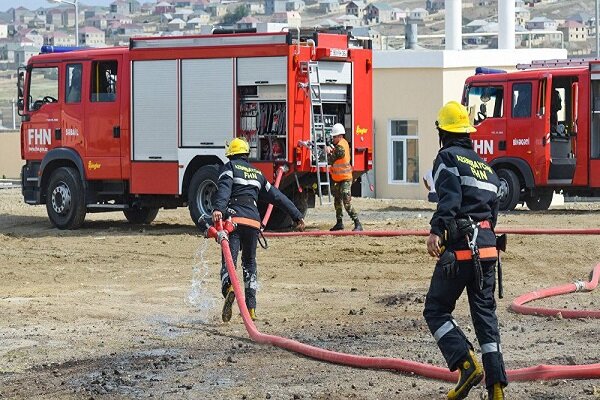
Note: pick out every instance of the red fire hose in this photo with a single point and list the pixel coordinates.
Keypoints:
(579, 286)
(270, 206)
(539, 372)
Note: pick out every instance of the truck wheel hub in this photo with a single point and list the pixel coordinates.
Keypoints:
(61, 199)
(204, 195)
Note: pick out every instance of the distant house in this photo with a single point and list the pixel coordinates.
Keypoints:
(216, 10)
(38, 22)
(574, 31)
(22, 15)
(183, 13)
(377, 13)
(92, 37)
(123, 7)
(31, 37)
(295, 5)
(290, 18)
(356, 8)
(399, 14)
(130, 30)
(349, 20)
(275, 6)
(163, 8)
(329, 6)
(176, 24)
(541, 23)
(54, 17)
(522, 16)
(433, 6)
(200, 18)
(246, 23)
(474, 25)
(59, 39)
(418, 14)
(3, 31)
(98, 22)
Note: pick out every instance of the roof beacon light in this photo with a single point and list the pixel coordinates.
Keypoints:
(47, 49)
(484, 70)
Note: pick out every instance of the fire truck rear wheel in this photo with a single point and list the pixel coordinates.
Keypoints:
(65, 199)
(511, 189)
(140, 215)
(202, 187)
(540, 201)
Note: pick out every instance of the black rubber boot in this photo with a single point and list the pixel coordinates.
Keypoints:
(229, 299)
(338, 226)
(357, 225)
(470, 374)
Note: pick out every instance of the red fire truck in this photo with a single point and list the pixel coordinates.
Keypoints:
(539, 128)
(145, 127)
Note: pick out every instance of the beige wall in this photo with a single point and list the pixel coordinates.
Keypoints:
(10, 155)
(410, 94)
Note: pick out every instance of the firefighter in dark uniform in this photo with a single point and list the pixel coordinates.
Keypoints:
(238, 188)
(463, 239)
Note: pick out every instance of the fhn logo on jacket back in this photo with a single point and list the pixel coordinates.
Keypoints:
(38, 139)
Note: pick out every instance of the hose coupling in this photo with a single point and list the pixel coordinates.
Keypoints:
(580, 286)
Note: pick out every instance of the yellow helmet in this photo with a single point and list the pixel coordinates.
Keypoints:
(454, 118)
(237, 146)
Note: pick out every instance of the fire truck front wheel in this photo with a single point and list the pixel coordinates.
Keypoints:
(539, 201)
(65, 200)
(510, 189)
(202, 187)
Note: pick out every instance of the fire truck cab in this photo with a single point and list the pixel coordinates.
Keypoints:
(144, 127)
(539, 128)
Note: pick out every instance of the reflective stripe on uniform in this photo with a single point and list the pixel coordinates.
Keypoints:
(252, 182)
(490, 348)
(246, 221)
(471, 181)
(452, 170)
(267, 186)
(486, 253)
(442, 330)
(226, 173)
(466, 180)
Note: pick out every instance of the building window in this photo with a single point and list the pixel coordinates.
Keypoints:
(403, 151)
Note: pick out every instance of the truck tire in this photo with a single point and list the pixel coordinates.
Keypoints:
(540, 201)
(201, 190)
(140, 215)
(65, 199)
(511, 189)
(279, 219)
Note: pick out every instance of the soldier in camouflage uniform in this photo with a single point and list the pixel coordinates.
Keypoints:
(341, 175)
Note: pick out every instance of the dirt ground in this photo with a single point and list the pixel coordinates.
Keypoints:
(120, 311)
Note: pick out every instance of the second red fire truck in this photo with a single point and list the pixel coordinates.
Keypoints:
(539, 128)
(145, 127)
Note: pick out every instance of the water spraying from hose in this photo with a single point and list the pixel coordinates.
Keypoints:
(199, 296)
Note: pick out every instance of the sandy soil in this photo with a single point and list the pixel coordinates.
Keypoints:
(120, 311)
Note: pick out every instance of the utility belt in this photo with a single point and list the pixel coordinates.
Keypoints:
(242, 200)
(466, 229)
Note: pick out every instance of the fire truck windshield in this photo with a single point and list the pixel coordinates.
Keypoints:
(43, 87)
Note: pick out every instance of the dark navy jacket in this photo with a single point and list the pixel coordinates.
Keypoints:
(238, 189)
(467, 187)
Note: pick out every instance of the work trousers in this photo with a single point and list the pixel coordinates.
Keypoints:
(342, 196)
(454, 345)
(243, 238)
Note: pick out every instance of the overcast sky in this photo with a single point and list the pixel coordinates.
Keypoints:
(33, 4)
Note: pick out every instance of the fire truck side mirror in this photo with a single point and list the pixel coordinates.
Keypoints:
(575, 106)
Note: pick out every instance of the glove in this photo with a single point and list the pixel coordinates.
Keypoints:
(448, 264)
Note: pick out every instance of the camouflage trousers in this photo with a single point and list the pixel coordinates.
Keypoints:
(341, 195)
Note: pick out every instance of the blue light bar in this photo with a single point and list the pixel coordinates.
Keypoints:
(47, 49)
(484, 70)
